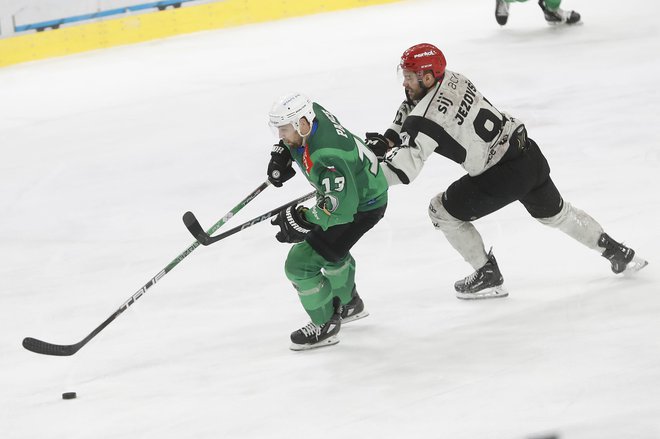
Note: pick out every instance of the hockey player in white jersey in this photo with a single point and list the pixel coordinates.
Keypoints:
(444, 113)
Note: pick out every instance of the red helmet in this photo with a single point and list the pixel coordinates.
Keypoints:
(422, 57)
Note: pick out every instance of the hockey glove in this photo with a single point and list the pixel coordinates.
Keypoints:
(293, 225)
(378, 144)
(280, 167)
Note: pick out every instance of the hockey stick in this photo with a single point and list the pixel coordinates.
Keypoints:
(42, 347)
(204, 238)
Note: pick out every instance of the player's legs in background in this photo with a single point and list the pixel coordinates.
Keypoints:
(502, 10)
(551, 11)
(555, 15)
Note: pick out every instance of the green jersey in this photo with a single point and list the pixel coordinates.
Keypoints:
(344, 172)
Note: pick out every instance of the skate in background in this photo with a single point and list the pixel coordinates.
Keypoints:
(552, 13)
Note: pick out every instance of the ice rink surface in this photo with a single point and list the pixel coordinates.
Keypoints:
(103, 152)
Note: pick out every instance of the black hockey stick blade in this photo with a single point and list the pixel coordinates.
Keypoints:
(195, 228)
(59, 350)
(42, 347)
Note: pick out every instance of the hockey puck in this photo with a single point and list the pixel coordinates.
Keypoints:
(69, 395)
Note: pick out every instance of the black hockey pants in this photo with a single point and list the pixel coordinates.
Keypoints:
(333, 244)
(522, 175)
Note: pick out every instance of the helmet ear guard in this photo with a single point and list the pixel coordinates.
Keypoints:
(289, 109)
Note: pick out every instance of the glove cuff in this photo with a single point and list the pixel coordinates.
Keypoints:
(392, 136)
(281, 150)
(297, 221)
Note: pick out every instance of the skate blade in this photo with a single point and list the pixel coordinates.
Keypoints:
(488, 293)
(563, 24)
(305, 347)
(355, 317)
(634, 266)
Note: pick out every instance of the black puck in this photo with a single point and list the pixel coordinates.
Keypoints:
(69, 395)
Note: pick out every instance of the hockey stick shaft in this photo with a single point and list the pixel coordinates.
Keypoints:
(204, 238)
(42, 347)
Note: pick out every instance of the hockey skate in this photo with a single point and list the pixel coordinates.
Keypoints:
(559, 16)
(485, 283)
(501, 12)
(353, 310)
(622, 258)
(313, 336)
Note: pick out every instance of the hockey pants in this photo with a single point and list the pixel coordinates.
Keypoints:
(322, 268)
(318, 281)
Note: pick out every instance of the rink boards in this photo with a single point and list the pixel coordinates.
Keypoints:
(160, 24)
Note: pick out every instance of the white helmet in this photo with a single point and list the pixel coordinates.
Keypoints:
(289, 109)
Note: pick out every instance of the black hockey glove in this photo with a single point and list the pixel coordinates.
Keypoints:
(293, 225)
(378, 144)
(280, 167)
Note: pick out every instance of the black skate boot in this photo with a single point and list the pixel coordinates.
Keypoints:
(313, 336)
(559, 16)
(353, 310)
(622, 258)
(485, 283)
(501, 12)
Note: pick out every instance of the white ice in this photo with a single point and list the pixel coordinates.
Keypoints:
(103, 152)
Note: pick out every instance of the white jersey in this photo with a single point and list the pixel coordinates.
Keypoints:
(454, 120)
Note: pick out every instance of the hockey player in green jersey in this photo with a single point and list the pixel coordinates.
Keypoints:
(551, 11)
(351, 199)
